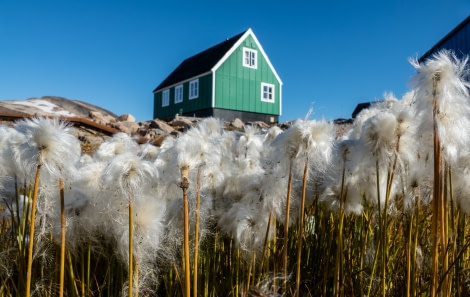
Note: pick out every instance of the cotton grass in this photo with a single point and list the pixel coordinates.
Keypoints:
(379, 211)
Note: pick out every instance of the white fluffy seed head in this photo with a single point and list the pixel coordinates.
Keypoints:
(49, 142)
(118, 144)
(442, 96)
(130, 174)
(380, 135)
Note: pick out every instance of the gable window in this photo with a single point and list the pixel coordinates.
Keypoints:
(194, 89)
(179, 94)
(250, 57)
(267, 92)
(165, 98)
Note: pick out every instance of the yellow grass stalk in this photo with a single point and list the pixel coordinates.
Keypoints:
(444, 236)
(365, 236)
(196, 232)
(82, 273)
(62, 237)
(339, 246)
(136, 278)
(382, 263)
(187, 268)
(72, 275)
(130, 246)
(409, 259)
(237, 273)
(437, 193)
(263, 256)
(286, 230)
(31, 231)
(415, 244)
(327, 257)
(374, 265)
(274, 253)
(251, 268)
(301, 228)
(384, 223)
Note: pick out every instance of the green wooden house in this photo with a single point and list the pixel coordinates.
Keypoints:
(233, 79)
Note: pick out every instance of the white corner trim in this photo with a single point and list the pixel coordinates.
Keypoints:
(213, 89)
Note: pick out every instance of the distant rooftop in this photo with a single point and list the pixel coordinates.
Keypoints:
(462, 41)
(359, 108)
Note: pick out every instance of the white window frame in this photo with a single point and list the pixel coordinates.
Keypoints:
(179, 94)
(194, 89)
(250, 58)
(265, 94)
(165, 98)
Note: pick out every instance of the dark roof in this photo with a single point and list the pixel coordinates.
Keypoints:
(441, 42)
(360, 107)
(199, 63)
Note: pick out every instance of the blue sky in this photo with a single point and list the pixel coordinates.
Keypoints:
(331, 55)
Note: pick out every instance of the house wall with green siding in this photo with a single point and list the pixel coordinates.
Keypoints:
(202, 102)
(239, 87)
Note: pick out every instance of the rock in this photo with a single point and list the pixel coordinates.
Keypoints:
(176, 133)
(143, 132)
(237, 124)
(156, 131)
(157, 140)
(144, 125)
(181, 121)
(97, 117)
(127, 118)
(121, 127)
(127, 127)
(110, 119)
(285, 125)
(161, 125)
(90, 143)
(259, 124)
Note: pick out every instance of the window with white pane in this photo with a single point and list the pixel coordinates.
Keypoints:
(165, 98)
(267, 92)
(250, 58)
(179, 94)
(194, 89)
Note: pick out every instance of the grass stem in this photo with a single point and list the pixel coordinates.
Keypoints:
(286, 230)
(62, 237)
(31, 231)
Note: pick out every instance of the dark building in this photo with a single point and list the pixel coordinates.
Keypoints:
(457, 40)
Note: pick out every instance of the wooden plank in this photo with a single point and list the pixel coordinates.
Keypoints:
(75, 121)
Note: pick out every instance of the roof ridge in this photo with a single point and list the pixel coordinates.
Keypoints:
(199, 63)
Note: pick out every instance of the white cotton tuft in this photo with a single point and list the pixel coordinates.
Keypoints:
(11, 141)
(250, 144)
(379, 133)
(49, 142)
(318, 138)
(211, 127)
(118, 144)
(149, 152)
(272, 133)
(129, 174)
(351, 159)
(442, 95)
(247, 223)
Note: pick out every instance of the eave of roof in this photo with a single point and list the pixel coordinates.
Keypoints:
(444, 39)
(200, 63)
